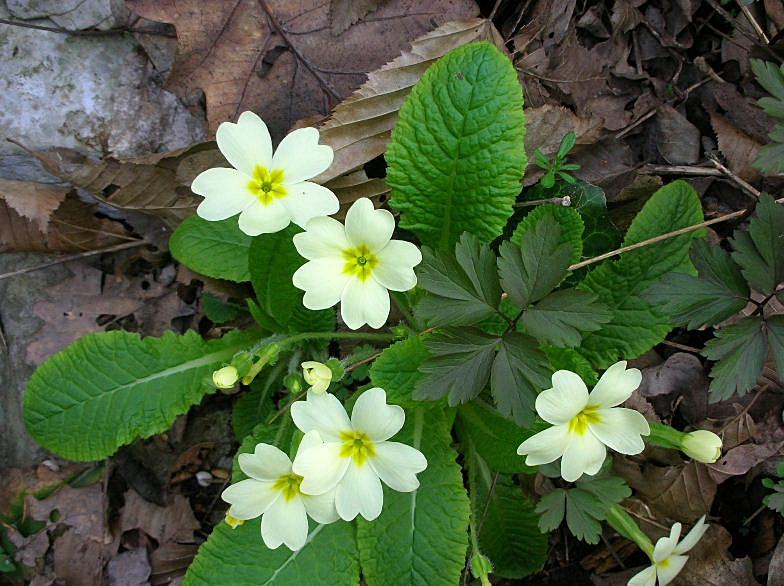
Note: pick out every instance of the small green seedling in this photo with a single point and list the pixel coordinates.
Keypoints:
(558, 167)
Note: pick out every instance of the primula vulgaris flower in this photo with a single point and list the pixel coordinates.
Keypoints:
(583, 423)
(274, 492)
(317, 375)
(702, 445)
(268, 191)
(355, 456)
(668, 559)
(225, 378)
(355, 264)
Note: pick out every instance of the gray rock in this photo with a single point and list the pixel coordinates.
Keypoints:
(72, 14)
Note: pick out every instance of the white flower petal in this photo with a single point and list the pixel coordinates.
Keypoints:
(621, 429)
(566, 399)
(665, 546)
(324, 413)
(307, 201)
(668, 572)
(369, 226)
(395, 269)
(250, 498)
(285, 522)
(692, 537)
(264, 219)
(372, 415)
(225, 193)
(324, 238)
(364, 302)
(246, 143)
(615, 386)
(321, 467)
(359, 493)
(321, 508)
(301, 156)
(546, 446)
(322, 280)
(265, 463)
(584, 455)
(645, 578)
(312, 439)
(397, 465)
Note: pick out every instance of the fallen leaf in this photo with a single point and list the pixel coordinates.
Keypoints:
(280, 58)
(776, 567)
(173, 523)
(738, 148)
(680, 373)
(33, 201)
(711, 563)
(741, 459)
(170, 561)
(78, 561)
(677, 139)
(129, 568)
(29, 550)
(344, 13)
(82, 509)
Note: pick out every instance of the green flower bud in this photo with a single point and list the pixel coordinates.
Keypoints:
(702, 445)
(225, 378)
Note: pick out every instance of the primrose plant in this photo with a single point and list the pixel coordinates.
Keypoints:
(480, 374)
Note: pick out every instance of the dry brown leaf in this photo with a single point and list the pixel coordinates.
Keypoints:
(130, 568)
(82, 509)
(279, 58)
(711, 563)
(738, 148)
(741, 459)
(170, 560)
(680, 373)
(174, 523)
(33, 201)
(677, 139)
(344, 13)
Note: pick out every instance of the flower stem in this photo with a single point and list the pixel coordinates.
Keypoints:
(374, 336)
(623, 523)
(665, 436)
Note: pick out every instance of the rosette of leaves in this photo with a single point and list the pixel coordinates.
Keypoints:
(724, 287)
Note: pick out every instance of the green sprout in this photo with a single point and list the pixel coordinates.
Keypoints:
(558, 167)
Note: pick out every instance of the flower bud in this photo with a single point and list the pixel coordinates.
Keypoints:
(226, 377)
(702, 445)
(317, 375)
(481, 567)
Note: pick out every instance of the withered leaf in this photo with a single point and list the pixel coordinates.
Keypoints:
(344, 13)
(33, 201)
(739, 149)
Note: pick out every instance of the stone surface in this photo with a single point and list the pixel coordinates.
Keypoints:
(72, 14)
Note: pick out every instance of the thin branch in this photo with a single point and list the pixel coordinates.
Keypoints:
(70, 257)
(85, 33)
(662, 237)
(755, 193)
(693, 170)
(754, 24)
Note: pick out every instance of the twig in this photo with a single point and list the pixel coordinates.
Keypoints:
(535, 202)
(85, 33)
(754, 24)
(495, 8)
(693, 170)
(755, 193)
(682, 347)
(662, 237)
(70, 257)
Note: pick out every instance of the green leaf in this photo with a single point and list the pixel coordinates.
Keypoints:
(272, 261)
(239, 557)
(739, 351)
(760, 251)
(567, 144)
(770, 76)
(106, 390)
(508, 534)
(717, 294)
(535, 267)
(254, 406)
(636, 325)
(519, 372)
(456, 158)
(213, 249)
(463, 286)
(775, 325)
(309, 320)
(459, 367)
(571, 359)
(397, 370)
(770, 158)
(567, 218)
(562, 315)
(494, 437)
(420, 538)
(217, 310)
(584, 506)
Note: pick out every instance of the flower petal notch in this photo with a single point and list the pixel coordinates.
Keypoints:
(268, 191)
(355, 264)
(585, 424)
(356, 456)
(273, 492)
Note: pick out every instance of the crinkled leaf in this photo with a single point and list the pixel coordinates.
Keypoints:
(308, 320)
(534, 268)
(760, 251)
(217, 310)
(571, 359)
(255, 405)
(560, 317)
(520, 371)
(463, 286)
(718, 293)
(420, 538)
(459, 367)
(567, 218)
(213, 249)
(456, 158)
(636, 325)
(397, 371)
(108, 389)
(739, 351)
(508, 532)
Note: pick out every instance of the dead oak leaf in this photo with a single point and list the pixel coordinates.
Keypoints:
(33, 201)
(279, 58)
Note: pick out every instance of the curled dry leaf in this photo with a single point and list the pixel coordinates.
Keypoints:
(739, 149)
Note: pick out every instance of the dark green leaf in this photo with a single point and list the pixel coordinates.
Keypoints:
(760, 251)
(218, 311)
(213, 249)
(567, 144)
(739, 351)
(770, 76)
(571, 359)
(253, 407)
(308, 320)
(463, 286)
(272, 260)
(567, 218)
(770, 158)
(775, 325)
(534, 268)
(559, 318)
(397, 370)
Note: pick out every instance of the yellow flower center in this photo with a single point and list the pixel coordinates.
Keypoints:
(579, 423)
(233, 522)
(357, 445)
(267, 185)
(360, 262)
(664, 563)
(288, 485)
